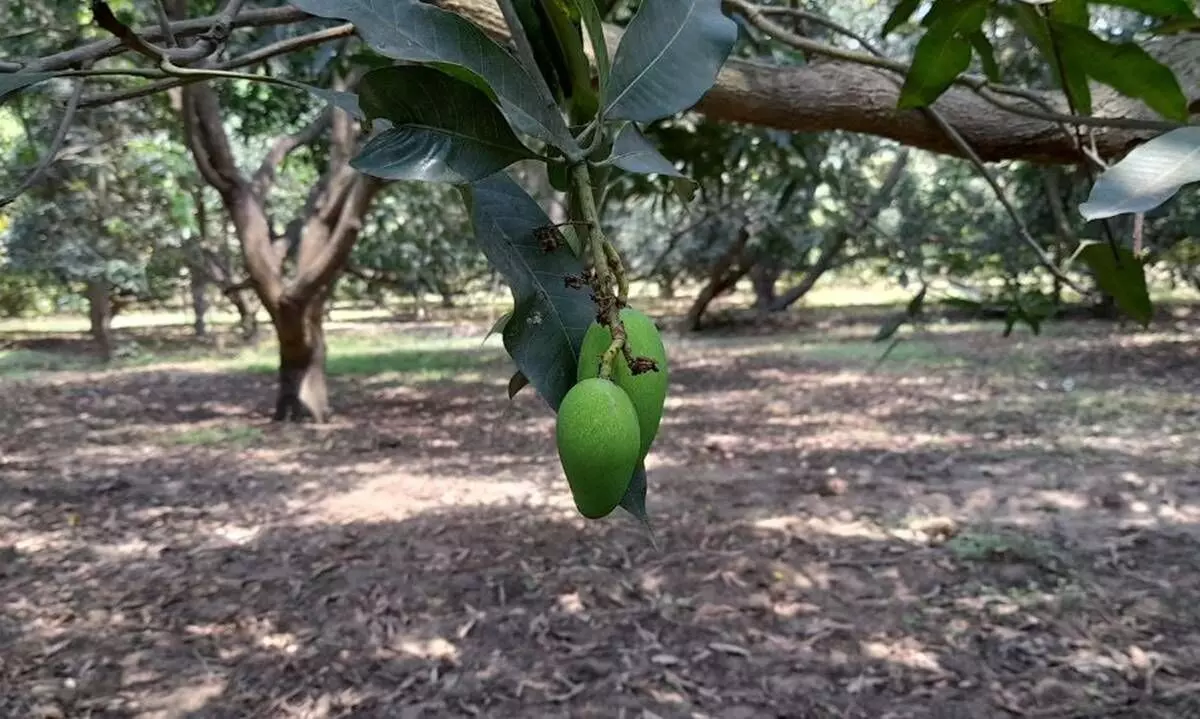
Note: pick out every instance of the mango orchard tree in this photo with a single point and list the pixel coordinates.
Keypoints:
(468, 88)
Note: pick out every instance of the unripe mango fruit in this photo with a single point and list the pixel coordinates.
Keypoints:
(598, 438)
(648, 390)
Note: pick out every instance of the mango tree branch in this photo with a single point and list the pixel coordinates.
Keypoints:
(60, 136)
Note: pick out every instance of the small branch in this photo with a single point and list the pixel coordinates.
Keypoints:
(60, 136)
(251, 58)
(164, 23)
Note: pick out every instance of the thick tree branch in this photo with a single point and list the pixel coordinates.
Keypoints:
(330, 256)
(264, 177)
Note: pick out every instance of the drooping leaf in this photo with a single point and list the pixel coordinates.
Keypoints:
(1069, 75)
(516, 383)
(443, 130)
(634, 500)
(497, 326)
(632, 152)
(594, 23)
(1125, 67)
(986, 53)
(549, 319)
(889, 327)
(668, 58)
(942, 54)
(900, 15)
(12, 82)
(1120, 274)
(1148, 176)
(420, 32)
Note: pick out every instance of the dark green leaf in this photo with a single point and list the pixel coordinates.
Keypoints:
(419, 32)
(1070, 77)
(917, 303)
(12, 82)
(634, 500)
(1125, 67)
(890, 326)
(1071, 12)
(668, 58)
(986, 53)
(498, 325)
(443, 130)
(632, 152)
(900, 15)
(942, 54)
(549, 319)
(1121, 275)
(594, 24)
(516, 383)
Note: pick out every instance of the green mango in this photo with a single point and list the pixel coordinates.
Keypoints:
(597, 436)
(647, 391)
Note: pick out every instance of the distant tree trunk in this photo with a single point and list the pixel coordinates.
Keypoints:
(833, 246)
(666, 285)
(247, 317)
(324, 234)
(763, 277)
(730, 267)
(1064, 237)
(100, 315)
(199, 289)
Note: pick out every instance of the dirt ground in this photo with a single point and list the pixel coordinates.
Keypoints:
(979, 527)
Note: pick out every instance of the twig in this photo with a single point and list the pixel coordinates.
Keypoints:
(251, 58)
(60, 136)
(164, 23)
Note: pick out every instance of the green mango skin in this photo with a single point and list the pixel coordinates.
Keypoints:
(647, 391)
(597, 436)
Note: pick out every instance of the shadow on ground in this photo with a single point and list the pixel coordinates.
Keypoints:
(933, 541)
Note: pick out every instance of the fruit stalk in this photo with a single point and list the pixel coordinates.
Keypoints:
(606, 266)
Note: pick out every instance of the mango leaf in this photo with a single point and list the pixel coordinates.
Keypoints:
(497, 326)
(1121, 275)
(1148, 176)
(549, 319)
(1069, 76)
(900, 15)
(1125, 67)
(443, 130)
(632, 152)
(942, 54)
(634, 500)
(668, 58)
(12, 82)
(516, 383)
(594, 24)
(987, 54)
(415, 31)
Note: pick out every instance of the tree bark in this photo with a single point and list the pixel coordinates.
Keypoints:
(829, 95)
(100, 315)
(198, 286)
(730, 267)
(763, 277)
(303, 393)
(325, 233)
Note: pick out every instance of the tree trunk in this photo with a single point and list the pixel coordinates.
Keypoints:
(726, 271)
(199, 290)
(247, 317)
(100, 314)
(666, 286)
(763, 277)
(825, 261)
(302, 387)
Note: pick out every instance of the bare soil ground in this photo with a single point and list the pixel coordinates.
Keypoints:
(979, 527)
